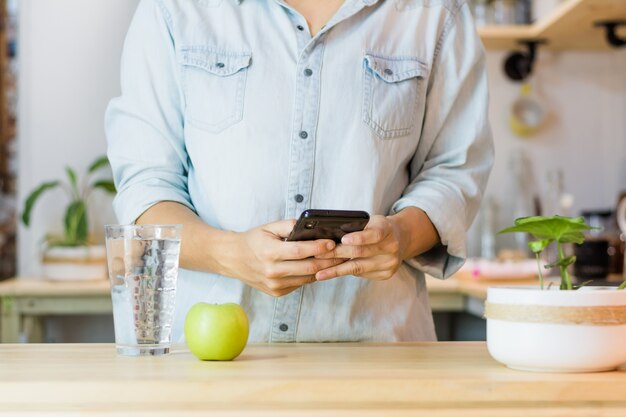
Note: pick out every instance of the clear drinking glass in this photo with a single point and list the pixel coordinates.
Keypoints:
(143, 268)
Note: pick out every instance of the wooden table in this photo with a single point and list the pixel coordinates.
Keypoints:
(422, 379)
(24, 301)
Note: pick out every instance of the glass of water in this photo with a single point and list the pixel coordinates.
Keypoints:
(143, 268)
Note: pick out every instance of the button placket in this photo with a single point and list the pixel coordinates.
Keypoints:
(308, 124)
(302, 152)
(301, 166)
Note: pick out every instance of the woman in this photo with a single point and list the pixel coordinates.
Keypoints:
(237, 115)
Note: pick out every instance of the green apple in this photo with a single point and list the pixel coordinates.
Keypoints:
(217, 332)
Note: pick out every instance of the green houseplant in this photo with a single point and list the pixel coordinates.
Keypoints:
(547, 230)
(556, 329)
(72, 255)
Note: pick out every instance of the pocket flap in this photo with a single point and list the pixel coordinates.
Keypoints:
(394, 69)
(216, 62)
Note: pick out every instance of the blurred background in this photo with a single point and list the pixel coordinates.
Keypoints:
(557, 75)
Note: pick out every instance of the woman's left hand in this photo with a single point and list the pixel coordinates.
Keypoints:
(374, 253)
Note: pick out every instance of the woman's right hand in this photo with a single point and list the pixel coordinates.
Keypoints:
(262, 259)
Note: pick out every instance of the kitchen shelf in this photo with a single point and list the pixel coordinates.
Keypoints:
(570, 27)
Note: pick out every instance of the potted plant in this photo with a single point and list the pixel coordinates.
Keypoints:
(565, 328)
(73, 256)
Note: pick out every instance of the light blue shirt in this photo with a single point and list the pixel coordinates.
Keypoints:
(233, 109)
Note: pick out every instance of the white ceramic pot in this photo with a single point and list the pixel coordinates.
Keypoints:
(557, 331)
(81, 263)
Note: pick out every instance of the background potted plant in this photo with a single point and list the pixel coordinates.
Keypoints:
(565, 328)
(73, 256)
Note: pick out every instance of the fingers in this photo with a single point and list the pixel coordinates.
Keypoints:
(284, 286)
(387, 246)
(354, 267)
(281, 228)
(280, 292)
(284, 278)
(291, 282)
(368, 236)
(377, 267)
(276, 251)
(279, 250)
(304, 249)
(349, 252)
(311, 266)
(283, 271)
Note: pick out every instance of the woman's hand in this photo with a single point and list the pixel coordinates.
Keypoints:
(373, 253)
(378, 251)
(262, 259)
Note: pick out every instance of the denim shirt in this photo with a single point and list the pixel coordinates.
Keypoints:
(233, 109)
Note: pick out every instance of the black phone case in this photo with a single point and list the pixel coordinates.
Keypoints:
(328, 224)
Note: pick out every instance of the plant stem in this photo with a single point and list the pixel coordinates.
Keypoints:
(83, 187)
(67, 190)
(566, 282)
(539, 269)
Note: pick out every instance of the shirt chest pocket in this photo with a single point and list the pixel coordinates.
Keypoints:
(394, 92)
(214, 85)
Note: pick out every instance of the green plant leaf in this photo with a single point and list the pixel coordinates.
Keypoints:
(575, 287)
(565, 262)
(572, 237)
(106, 185)
(76, 226)
(554, 227)
(549, 229)
(101, 162)
(71, 174)
(33, 197)
(622, 286)
(538, 245)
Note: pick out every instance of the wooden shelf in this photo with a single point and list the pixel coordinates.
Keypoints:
(569, 27)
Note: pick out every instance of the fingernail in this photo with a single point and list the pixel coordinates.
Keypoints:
(319, 276)
(346, 240)
(330, 245)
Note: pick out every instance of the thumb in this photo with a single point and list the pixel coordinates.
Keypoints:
(281, 228)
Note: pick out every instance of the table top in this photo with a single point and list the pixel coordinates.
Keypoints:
(434, 379)
(27, 286)
(24, 286)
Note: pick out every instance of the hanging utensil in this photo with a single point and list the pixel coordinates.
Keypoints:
(527, 113)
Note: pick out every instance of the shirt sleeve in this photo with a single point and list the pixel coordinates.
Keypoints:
(144, 126)
(450, 168)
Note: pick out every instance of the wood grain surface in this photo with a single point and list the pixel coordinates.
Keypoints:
(423, 379)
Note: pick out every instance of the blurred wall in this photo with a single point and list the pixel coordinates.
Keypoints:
(69, 54)
(584, 136)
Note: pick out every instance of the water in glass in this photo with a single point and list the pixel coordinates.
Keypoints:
(143, 275)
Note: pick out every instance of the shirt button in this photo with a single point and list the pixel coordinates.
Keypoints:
(220, 65)
(304, 135)
(300, 28)
(283, 327)
(299, 198)
(308, 72)
(388, 71)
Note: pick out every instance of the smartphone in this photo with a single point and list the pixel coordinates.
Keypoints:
(328, 224)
